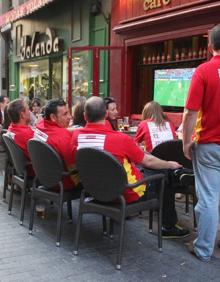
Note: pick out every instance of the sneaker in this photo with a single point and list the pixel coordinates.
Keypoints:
(174, 232)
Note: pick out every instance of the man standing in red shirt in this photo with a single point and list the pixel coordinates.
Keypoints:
(52, 129)
(97, 134)
(202, 113)
(19, 128)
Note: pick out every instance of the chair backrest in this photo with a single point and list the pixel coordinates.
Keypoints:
(16, 154)
(172, 150)
(101, 174)
(47, 164)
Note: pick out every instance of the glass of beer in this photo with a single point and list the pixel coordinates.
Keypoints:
(120, 124)
(126, 123)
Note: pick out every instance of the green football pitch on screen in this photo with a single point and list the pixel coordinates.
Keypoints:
(171, 92)
(171, 86)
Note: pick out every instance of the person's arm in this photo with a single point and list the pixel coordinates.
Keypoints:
(189, 122)
(152, 162)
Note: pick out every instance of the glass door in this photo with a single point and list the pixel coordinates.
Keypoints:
(56, 77)
(88, 71)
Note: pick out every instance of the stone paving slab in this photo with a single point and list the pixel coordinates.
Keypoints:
(36, 258)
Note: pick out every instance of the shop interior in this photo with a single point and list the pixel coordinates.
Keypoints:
(41, 79)
(164, 70)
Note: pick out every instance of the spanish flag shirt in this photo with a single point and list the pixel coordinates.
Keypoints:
(58, 138)
(204, 97)
(120, 146)
(152, 134)
(21, 134)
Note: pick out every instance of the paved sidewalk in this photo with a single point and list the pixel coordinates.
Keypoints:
(36, 258)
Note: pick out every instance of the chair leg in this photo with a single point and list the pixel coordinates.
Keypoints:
(159, 214)
(23, 197)
(31, 222)
(11, 198)
(104, 225)
(150, 221)
(111, 228)
(78, 228)
(59, 223)
(121, 242)
(69, 211)
(187, 204)
(5, 184)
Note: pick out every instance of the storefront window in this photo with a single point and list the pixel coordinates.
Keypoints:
(34, 80)
(56, 69)
(81, 75)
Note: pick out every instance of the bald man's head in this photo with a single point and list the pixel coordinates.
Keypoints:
(95, 109)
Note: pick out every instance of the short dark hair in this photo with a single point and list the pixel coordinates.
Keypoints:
(2, 98)
(14, 110)
(109, 100)
(51, 107)
(95, 109)
(214, 38)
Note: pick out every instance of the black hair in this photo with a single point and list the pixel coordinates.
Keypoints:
(215, 38)
(51, 107)
(36, 101)
(108, 100)
(95, 109)
(2, 98)
(14, 110)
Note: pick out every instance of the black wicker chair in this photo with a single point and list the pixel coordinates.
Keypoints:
(49, 171)
(8, 165)
(173, 151)
(19, 175)
(105, 179)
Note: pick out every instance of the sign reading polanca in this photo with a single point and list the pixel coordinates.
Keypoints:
(40, 44)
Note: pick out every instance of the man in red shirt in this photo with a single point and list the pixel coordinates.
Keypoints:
(52, 129)
(19, 128)
(202, 113)
(97, 134)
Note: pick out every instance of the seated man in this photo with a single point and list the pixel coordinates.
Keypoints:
(52, 129)
(19, 128)
(97, 134)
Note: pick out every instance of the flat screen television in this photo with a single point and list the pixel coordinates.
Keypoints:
(171, 86)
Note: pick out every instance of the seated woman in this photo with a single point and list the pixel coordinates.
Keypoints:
(154, 129)
(78, 115)
(35, 108)
(112, 112)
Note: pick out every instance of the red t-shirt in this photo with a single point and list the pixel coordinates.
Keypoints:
(59, 138)
(152, 134)
(204, 96)
(119, 145)
(21, 134)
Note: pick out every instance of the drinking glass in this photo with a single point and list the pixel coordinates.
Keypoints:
(126, 123)
(120, 124)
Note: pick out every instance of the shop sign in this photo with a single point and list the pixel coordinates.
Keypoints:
(154, 4)
(22, 10)
(39, 44)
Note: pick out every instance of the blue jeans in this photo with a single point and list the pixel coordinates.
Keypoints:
(206, 164)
